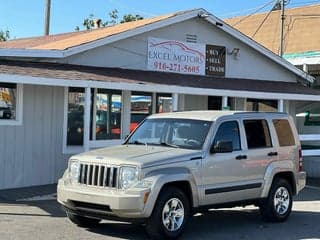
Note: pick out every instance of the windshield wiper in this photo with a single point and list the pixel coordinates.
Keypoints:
(168, 145)
(136, 142)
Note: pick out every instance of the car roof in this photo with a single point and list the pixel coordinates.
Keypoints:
(210, 115)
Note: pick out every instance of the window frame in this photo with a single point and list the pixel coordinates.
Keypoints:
(239, 129)
(19, 108)
(69, 149)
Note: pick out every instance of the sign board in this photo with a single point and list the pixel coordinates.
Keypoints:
(187, 58)
(215, 60)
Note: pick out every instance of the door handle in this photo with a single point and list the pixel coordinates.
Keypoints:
(272, 153)
(240, 157)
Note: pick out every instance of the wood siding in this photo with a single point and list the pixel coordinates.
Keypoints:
(31, 154)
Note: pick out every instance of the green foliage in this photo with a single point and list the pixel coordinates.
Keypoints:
(130, 18)
(4, 35)
(89, 22)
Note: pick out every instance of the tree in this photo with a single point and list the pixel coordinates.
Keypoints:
(4, 35)
(89, 22)
(130, 18)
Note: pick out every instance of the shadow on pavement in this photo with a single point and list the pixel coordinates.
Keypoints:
(227, 224)
(121, 230)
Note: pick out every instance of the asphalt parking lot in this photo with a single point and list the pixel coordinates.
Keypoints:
(37, 218)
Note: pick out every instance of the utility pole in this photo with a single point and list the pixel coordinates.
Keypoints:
(47, 18)
(282, 27)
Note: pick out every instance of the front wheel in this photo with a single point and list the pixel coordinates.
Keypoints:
(277, 206)
(82, 221)
(170, 214)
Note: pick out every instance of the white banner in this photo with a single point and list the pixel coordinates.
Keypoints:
(176, 56)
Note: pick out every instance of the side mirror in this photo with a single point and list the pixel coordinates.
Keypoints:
(222, 147)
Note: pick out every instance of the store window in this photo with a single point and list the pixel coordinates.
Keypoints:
(8, 101)
(141, 107)
(215, 103)
(76, 100)
(164, 103)
(106, 115)
(261, 105)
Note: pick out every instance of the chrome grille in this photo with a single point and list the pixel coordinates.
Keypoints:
(98, 175)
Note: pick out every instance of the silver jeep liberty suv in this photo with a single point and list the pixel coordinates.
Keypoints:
(177, 164)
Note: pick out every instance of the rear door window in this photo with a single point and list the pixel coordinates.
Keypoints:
(257, 133)
(284, 132)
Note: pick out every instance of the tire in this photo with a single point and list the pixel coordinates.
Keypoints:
(82, 221)
(165, 222)
(281, 193)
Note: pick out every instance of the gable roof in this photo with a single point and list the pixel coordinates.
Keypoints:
(63, 45)
(73, 39)
(301, 32)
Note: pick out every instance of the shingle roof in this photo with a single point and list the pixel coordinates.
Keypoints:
(76, 72)
(68, 40)
(301, 31)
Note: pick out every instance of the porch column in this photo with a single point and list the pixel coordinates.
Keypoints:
(224, 102)
(280, 105)
(175, 97)
(86, 122)
(154, 102)
(125, 113)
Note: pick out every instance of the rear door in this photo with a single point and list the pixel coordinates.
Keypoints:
(260, 148)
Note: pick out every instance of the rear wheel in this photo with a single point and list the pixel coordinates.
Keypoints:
(170, 214)
(83, 221)
(277, 206)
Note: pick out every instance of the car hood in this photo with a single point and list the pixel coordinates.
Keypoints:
(140, 155)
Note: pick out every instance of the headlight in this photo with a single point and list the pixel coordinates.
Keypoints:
(128, 175)
(74, 170)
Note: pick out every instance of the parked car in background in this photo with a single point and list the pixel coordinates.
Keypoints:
(177, 164)
(5, 113)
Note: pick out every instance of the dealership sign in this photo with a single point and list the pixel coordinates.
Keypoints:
(187, 58)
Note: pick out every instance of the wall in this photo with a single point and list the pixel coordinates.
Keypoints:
(31, 154)
(195, 102)
(132, 53)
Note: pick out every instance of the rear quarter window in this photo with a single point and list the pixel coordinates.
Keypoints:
(284, 132)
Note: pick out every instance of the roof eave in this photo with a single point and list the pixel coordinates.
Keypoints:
(30, 53)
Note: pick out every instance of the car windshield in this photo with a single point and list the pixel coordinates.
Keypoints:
(177, 133)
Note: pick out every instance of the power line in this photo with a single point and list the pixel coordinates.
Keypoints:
(257, 10)
(261, 24)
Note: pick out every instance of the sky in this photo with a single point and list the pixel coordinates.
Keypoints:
(25, 18)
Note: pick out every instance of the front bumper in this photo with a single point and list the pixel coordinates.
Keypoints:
(106, 203)
(301, 181)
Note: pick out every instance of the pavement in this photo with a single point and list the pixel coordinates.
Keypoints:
(47, 192)
(33, 213)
